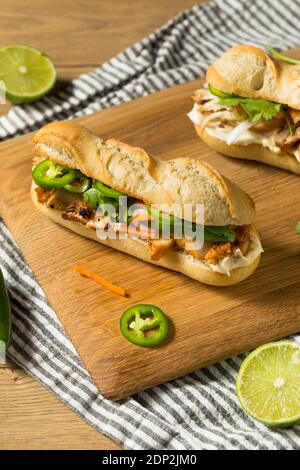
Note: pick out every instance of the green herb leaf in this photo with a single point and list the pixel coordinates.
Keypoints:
(261, 109)
(92, 197)
(298, 228)
(256, 109)
(95, 198)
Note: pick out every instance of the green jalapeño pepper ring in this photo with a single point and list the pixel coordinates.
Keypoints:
(5, 318)
(107, 191)
(48, 175)
(79, 185)
(144, 325)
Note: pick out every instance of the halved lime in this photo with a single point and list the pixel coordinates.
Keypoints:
(27, 73)
(268, 384)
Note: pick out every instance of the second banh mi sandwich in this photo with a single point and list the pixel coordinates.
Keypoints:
(250, 108)
(74, 170)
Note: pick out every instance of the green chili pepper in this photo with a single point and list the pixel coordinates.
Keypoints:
(164, 220)
(5, 317)
(278, 55)
(48, 175)
(219, 234)
(79, 185)
(107, 191)
(219, 93)
(144, 325)
(211, 233)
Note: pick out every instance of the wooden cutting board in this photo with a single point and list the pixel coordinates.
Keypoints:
(207, 323)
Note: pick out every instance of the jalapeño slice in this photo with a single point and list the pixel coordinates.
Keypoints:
(144, 325)
(107, 191)
(219, 93)
(211, 233)
(48, 175)
(79, 185)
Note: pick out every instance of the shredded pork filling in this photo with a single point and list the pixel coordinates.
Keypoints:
(231, 124)
(74, 208)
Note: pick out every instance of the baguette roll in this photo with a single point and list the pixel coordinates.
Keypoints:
(248, 72)
(153, 181)
(132, 171)
(254, 152)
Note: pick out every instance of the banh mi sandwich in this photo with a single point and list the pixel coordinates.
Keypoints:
(250, 108)
(74, 171)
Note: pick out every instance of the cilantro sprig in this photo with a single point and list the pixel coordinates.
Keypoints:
(256, 109)
(278, 55)
(94, 198)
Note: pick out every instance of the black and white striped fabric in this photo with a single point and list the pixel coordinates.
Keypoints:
(198, 411)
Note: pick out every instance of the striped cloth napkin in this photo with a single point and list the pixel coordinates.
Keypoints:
(198, 411)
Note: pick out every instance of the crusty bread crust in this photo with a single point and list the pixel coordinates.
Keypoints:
(248, 71)
(132, 171)
(255, 152)
(175, 260)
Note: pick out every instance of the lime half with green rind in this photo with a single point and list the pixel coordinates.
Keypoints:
(27, 73)
(268, 384)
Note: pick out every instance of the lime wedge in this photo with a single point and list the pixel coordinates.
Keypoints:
(268, 384)
(27, 73)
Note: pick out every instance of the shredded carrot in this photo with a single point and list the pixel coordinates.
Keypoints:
(103, 282)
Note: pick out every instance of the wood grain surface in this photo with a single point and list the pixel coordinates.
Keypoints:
(33, 418)
(208, 323)
(100, 32)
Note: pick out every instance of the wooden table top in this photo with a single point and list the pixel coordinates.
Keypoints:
(31, 417)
